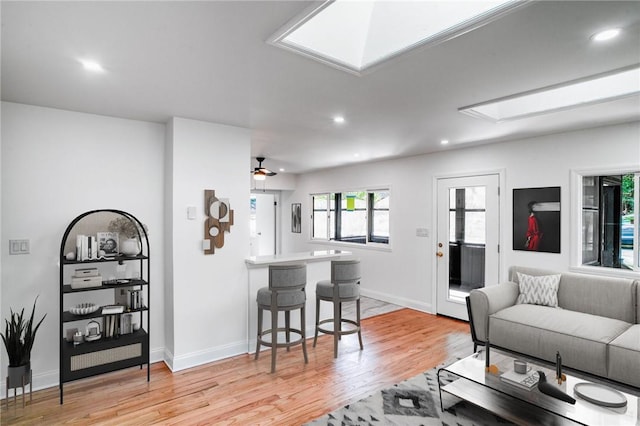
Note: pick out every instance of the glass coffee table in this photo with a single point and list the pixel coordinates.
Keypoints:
(467, 380)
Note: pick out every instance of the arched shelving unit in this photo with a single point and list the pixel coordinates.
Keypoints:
(112, 279)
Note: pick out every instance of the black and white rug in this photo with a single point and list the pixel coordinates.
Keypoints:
(413, 402)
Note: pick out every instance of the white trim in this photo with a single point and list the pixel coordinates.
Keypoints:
(367, 245)
(400, 301)
(471, 109)
(575, 250)
(278, 38)
(204, 356)
(364, 246)
(502, 269)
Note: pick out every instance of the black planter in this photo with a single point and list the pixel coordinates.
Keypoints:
(19, 376)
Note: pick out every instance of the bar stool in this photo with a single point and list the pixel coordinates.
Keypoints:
(344, 286)
(286, 292)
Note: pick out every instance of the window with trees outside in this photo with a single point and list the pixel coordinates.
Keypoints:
(360, 217)
(610, 221)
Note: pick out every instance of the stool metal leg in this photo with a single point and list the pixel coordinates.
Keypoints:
(337, 326)
(259, 338)
(315, 337)
(287, 327)
(303, 327)
(358, 321)
(274, 338)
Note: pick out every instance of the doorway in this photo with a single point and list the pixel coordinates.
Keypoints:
(262, 224)
(467, 241)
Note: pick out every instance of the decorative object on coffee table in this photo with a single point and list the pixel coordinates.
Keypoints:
(551, 390)
(600, 395)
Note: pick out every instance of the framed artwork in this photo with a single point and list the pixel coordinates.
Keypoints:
(536, 219)
(296, 218)
(108, 242)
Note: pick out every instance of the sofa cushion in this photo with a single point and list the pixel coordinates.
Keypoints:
(541, 331)
(624, 357)
(592, 294)
(540, 290)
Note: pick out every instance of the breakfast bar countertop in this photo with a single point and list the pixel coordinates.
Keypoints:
(308, 256)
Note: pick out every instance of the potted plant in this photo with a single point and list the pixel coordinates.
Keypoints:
(129, 245)
(18, 337)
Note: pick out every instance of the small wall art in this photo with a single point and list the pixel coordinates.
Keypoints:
(219, 219)
(296, 218)
(536, 219)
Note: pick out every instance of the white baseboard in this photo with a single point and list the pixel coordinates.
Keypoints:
(181, 362)
(51, 378)
(400, 301)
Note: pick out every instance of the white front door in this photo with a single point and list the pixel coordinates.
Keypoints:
(467, 239)
(263, 225)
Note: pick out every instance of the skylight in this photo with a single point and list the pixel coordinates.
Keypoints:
(355, 35)
(594, 89)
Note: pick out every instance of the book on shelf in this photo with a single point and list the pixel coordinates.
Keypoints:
(112, 309)
(525, 381)
(126, 323)
(86, 247)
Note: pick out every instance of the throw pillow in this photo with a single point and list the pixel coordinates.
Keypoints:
(541, 290)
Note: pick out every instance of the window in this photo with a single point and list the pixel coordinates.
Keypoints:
(609, 221)
(360, 217)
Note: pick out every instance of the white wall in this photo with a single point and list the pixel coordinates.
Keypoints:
(56, 165)
(405, 274)
(209, 291)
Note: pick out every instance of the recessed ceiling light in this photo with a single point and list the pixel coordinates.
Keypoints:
(338, 119)
(606, 34)
(90, 65)
(281, 169)
(356, 155)
(444, 141)
(594, 89)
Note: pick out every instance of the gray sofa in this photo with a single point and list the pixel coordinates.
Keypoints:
(596, 326)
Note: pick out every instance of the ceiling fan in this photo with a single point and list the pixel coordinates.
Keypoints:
(261, 173)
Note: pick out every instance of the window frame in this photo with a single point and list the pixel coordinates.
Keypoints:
(576, 222)
(335, 206)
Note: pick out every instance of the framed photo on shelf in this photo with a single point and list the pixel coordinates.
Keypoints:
(108, 242)
(296, 218)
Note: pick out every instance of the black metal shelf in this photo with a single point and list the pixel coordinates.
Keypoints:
(106, 354)
(69, 350)
(69, 317)
(104, 343)
(105, 285)
(66, 261)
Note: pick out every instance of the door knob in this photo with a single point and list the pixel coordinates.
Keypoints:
(439, 254)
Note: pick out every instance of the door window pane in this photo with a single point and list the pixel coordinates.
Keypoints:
(475, 227)
(475, 198)
(320, 216)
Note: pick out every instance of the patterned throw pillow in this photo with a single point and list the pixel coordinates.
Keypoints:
(542, 290)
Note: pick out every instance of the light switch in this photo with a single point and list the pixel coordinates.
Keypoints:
(19, 246)
(191, 212)
(422, 232)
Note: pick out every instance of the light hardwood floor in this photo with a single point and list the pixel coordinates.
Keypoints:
(241, 391)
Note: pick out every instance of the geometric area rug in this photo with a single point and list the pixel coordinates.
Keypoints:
(413, 402)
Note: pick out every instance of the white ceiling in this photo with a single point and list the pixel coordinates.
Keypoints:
(210, 61)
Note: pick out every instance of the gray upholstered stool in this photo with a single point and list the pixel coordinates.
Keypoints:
(344, 286)
(285, 293)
